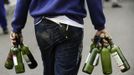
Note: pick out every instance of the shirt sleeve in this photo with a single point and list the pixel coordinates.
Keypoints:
(96, 13)
(20, 15)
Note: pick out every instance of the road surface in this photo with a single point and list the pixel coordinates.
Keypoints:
(120, 24)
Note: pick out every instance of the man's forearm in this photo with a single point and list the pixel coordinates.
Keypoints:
(96, 13)
(20, 15)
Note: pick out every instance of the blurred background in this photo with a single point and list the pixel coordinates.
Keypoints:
(119, 22)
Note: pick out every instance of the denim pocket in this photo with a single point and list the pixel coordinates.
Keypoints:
(75, 33)
(48, 33)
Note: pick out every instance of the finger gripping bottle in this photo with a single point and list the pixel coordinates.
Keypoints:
(17, 59)
(9, 61)
(106, 61)
(120, 59)
(27, 55)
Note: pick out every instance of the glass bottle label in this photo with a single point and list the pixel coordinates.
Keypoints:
(118, 60)
(15, 60)
(27, 59)
(87, 58)
(96, 59)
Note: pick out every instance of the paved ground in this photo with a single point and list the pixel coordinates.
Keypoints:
(119, 24)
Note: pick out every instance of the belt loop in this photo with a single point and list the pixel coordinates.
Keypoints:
(40, 20)
(67, 27)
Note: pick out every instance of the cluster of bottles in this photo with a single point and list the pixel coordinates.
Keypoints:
(105, 52)
(14, 58)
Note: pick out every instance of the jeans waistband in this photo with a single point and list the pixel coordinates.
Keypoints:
(40, 19)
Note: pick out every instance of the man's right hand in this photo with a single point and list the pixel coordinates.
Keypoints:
(104, 35)
(16, 38)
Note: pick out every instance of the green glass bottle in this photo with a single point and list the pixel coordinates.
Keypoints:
(92, 46)
(27, 55)
(17, 59)
(120, 59)
(91, 61)
(106, 60)
(9, 61)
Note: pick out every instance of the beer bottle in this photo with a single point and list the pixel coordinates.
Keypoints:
(93, 56)
(119, 58)
(92, 46)
(106, 60)
(9, 61)
(17, 59)
(27, 55)
(91, 61)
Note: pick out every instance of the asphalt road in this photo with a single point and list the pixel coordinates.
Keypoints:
(120, 24)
